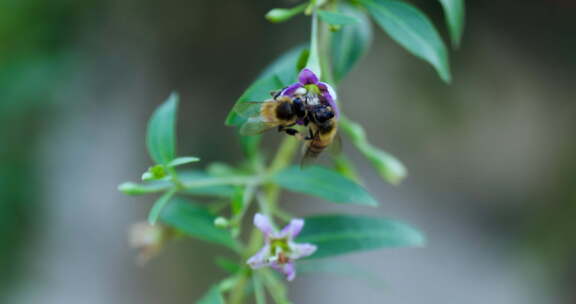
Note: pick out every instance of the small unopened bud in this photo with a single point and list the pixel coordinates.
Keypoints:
(154, 173)
(278, 15)
(221, 222)
(158, 171)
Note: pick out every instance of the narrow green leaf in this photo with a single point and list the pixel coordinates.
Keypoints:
(350, 43)
(161, 135)
(301, 64)
(195, 182)
(204, 181)
(341, 234)
(259, 294)
(336, 18)
(324, 183)
(388, 167)
(240, 202)
(237, 200)
(130, 188)
(228, 283)
(275, 287)
(454, 13)
(280, 73)
(159, 205)
(147, 176)
(228, 265)
(285, 66)
(195, 221)
(213, 296)
(219, 169)
(408, 26)
(182, 161)
(344, 166)
(278, 15)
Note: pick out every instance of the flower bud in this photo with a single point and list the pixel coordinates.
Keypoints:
(154, 173)
(278, 15)
(221, 222)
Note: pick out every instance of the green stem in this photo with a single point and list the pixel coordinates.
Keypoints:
(219, 181)
(314, 57)
(282, 160)
(238, 293)
(325, 41)
(247, 198)
(271, 192)
(284, 155)
(270, 197)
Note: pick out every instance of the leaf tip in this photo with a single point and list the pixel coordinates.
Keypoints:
(446, 77)
(413, 237)
(128, 188)
(372, 202)
(418, 239)
(174, 97)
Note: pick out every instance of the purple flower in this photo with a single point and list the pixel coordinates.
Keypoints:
(280, 251)
(313, 89)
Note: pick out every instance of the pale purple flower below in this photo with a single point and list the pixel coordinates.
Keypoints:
(316, 91)
(280, 251)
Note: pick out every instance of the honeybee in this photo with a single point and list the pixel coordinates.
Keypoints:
(280, 112)
(323, 128)
(284, 113)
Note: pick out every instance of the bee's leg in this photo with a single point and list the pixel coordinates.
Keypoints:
(282, 128)
(291, 131)
(275, 93)
(295, 133)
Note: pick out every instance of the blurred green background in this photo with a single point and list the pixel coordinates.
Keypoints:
(492, 158)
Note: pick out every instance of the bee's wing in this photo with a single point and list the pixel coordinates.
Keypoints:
(255, 126)
(248, 109)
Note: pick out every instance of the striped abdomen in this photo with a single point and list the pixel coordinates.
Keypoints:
(319, 143)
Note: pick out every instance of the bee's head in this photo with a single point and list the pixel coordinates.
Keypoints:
(323, 113)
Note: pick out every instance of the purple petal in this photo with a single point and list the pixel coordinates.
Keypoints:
(307, 77)
(328, 89)
(287, 269)
(302, 250)
(293, 228)
(263, 223)
(289, 91)
(260, 259)
(330, 95)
